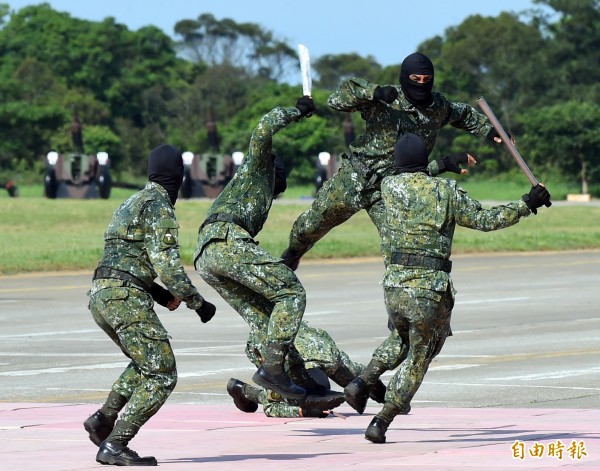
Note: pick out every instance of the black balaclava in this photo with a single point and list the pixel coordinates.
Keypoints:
(410, 154)
(280, 179)
(165, 167)
(417, 93)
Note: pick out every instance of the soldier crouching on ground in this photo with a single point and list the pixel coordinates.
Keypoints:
(141, 244)
(421, 215)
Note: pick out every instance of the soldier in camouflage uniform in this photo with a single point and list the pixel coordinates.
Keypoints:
(388, 111)
(324, 361)
(140, 245)
(265, 292)
(421, 215)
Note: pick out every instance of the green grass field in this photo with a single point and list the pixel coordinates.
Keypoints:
(40, 234)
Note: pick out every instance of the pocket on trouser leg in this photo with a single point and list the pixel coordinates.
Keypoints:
(148, 345)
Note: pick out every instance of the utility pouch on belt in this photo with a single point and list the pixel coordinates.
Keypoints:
(107, 272)
(422, 261)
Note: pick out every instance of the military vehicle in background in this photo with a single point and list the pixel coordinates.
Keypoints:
(75, 174)
(205, 175)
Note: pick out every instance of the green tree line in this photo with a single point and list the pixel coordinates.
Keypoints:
(132, 90)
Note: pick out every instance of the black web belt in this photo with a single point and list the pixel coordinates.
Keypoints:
(422, 261)
(221, 217)
(102, 273)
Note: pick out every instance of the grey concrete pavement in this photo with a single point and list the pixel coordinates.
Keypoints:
(526, 330)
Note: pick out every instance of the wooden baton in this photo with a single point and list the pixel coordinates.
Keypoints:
(506, 140)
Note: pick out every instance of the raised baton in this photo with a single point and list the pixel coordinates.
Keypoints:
(506, 140)
(305, 69)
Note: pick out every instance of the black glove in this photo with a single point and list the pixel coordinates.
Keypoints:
(306, 105)
(493, 134)
(537, 197)
(387, 94)
(450, 162)
(161, 295)
(312, 412)
(206, 312)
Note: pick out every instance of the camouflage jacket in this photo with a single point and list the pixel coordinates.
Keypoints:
(384, 123)
(421, 215)
(247, 198)
(141, 239)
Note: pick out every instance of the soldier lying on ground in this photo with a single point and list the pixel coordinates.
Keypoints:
(323, 360)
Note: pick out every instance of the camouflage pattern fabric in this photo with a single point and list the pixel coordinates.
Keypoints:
(251, 280)
(247, 198)
(142, 240)
(265, 292)
(421, 215)
(319, 350)
(392, 351)
(422, 320)
(425, 211)
(357, 187)
(126, 315)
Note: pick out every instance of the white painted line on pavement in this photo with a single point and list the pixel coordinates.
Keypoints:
(549, 375)
(531, 386)
(43, 334)
(63, 369)
(493, 300)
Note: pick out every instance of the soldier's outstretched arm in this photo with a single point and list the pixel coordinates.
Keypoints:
(353, 94)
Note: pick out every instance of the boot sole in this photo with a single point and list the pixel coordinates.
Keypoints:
(355, 404)
(114, 460)
(374, 439)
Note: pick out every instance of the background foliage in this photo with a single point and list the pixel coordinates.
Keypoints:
(539, 70)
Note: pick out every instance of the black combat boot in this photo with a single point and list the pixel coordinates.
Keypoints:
(100, 424)
(358, 391)
(344, 375)
(380, 423)
(357, 394)
(99, 427)
(376, 430)
(271, 374)
(319, 394)
(114, 449)
(235, 388)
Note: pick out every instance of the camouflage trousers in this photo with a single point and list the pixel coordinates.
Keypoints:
(392, 351)
(127, 316)
(422, 321)
(259, 287)
(340, 197)
(319, 350)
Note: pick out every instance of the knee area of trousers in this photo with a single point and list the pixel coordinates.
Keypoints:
(294, 295)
